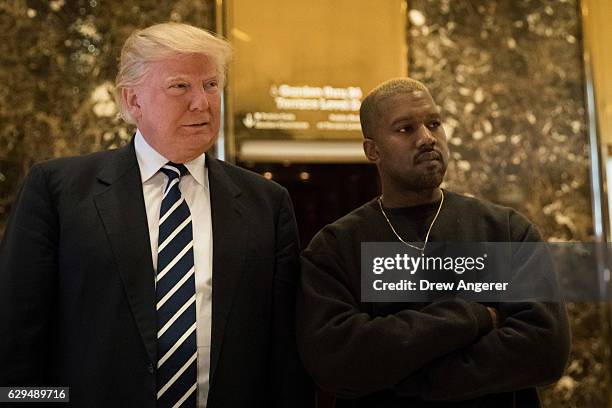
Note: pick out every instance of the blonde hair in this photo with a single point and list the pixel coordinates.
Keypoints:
(369, 111)
(161, 41)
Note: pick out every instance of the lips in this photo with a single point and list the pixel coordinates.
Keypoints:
(428, 156)
(197, 124)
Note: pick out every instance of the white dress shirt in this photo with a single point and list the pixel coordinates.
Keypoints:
(195, 189)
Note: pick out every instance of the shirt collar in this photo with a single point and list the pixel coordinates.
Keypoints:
(150, 161)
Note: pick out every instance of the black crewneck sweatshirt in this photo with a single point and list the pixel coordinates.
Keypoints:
(437, 354)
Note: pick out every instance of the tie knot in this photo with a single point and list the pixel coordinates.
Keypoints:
(173, 170)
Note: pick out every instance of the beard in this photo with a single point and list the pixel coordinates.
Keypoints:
(423, 181)
(416, 180)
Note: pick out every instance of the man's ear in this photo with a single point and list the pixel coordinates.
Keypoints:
(130, 98)
(371, 150)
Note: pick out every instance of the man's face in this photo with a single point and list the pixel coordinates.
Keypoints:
(177, 107)
(409, 146)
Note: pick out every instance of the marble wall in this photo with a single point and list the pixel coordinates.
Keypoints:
(57, 64)
(509, 78)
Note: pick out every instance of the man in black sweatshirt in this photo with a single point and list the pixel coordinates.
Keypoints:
(451, 352)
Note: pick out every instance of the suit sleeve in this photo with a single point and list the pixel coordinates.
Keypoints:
(349, 352)
(291, 385)
(28, 270)
(530, 348)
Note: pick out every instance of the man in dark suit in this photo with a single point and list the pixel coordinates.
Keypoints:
(155, 275)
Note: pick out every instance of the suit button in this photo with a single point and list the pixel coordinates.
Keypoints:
(150, 368)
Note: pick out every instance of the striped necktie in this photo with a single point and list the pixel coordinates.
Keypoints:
(175, 289)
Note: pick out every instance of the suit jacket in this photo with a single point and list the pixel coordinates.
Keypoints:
(77, 296)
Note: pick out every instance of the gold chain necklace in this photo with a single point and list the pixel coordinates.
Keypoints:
(428, 231)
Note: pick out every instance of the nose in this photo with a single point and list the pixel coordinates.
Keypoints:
(199, 100)
(425, 137)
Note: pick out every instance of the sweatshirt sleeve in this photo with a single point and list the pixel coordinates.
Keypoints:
(350, 353)
(530, 347)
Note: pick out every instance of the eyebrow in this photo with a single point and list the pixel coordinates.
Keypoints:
(175, 78)
(411, 119)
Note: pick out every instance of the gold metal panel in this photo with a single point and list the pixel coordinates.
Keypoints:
(598, 40)
(301, 68)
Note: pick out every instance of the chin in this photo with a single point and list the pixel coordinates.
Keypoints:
(424, 182)
(204, 142)
(198, 145)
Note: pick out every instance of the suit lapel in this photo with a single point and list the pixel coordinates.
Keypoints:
(229, 251)
(122, 210)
